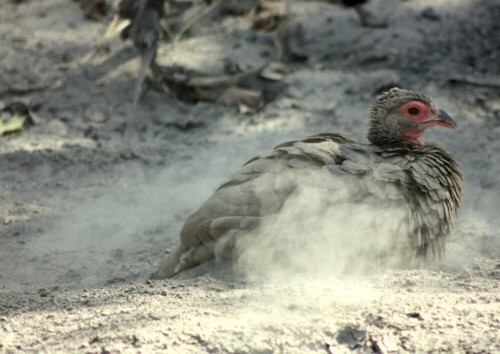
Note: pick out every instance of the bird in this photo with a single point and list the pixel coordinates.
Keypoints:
(420, 180)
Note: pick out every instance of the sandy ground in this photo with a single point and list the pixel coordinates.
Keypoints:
(86, 213)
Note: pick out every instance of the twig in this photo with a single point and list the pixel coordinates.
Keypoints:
(191, 21)
(468, 80)
(114, 27)
(168, 30)
(190, 79)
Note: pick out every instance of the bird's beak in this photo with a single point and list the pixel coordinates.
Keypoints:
(441, 117)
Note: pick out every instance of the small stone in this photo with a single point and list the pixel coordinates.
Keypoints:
(43, 292)
(386, 345)
(464, 274)
(415, 315)
(186, 123)
(350, 336)
(95, 116)
(91, 133)
(409, 282)
(56, 127)
(430, 14)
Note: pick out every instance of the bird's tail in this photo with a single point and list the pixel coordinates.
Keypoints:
(168, 265)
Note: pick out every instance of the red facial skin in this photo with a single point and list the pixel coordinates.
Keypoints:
(424, 116)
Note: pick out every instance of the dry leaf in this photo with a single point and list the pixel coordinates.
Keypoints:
(14, 124)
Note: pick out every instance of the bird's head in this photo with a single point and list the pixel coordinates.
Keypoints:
(402, 116)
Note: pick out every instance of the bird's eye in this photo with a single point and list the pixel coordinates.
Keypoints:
(413, 111)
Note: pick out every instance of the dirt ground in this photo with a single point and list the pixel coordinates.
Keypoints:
(86, 211)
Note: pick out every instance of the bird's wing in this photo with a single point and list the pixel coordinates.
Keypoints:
(260, 187)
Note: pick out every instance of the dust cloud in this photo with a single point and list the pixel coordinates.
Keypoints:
(120, 234)
(318, 234)
(321, 232)
(476, 229)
